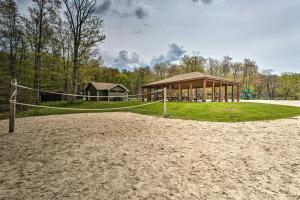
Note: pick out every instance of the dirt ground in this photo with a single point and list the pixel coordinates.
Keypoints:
(130, 156)
(278, 102)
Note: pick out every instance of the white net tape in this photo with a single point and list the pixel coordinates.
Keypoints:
(85, 109)
(80, 95)
(80, 109)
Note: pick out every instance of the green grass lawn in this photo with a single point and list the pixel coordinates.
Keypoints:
(219, 112)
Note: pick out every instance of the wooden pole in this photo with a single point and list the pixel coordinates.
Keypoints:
(12, 107)
(204, 91)
(180, 92)
(142, 93)
(191, 91)
(220, 92)
(171, 95)
(165, 102)
(213, 92)
(226, 92)
(238, 93)
(149, 94)
(232, 91)
(108, 96)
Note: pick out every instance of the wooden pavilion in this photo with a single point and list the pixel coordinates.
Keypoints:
(193, 86)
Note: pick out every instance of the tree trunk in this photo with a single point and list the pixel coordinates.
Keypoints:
(75, 72)
(38, 52)
(37, 78)
(65, 70)
(287, 93)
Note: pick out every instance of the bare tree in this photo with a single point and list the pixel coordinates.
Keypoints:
(86, 31)
(194, 63)
(269, 80)
(226, 65)
(235, 69)
(173, 70)
(38, 28)
(213, 66)
(10, 33)
(64, 45)
(140, 74)
(249, 70)
(160, 70)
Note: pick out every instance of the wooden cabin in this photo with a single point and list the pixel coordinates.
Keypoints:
(96, 91)
(195, 87)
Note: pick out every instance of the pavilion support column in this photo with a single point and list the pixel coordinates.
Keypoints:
(142, 94)
(238, 93)
(213, 92)
(204, 91)
(232, 91)
(170, 92)
(226, 92)
(191, 91)
(149, 94)
(180, 92)
(108, 99)
(220, 92)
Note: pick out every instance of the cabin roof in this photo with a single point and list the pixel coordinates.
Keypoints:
(189, 76)
(105, 86)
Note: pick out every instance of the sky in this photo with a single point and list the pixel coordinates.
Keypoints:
(146, 32)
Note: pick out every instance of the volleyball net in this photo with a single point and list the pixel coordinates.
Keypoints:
(158, 93)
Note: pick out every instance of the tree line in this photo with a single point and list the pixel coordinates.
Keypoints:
(264, 84)
(55, 46)
(47, 46)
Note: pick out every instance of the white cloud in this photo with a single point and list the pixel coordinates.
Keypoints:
(174, 53)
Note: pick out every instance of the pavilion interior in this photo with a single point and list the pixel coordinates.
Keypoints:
(195, 90)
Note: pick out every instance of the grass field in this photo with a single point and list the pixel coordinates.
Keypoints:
(219, 112)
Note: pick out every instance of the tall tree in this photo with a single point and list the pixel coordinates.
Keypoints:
(194, 63)
(86, 31)
(64, 47)
(213, 67)
(235, 69)
(160, 70)
(269, 80)
(10, 33)
(226, 65)
(289, 85)
(38, 28)
(249, 70)
(173, 70)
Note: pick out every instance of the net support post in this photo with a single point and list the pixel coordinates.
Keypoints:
(165, 102)
(12, 107)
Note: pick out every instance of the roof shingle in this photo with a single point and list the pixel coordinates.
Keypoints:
(188, 76)
(106, 86)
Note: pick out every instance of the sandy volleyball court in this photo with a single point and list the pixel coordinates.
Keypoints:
(130, 156)
(277, 102)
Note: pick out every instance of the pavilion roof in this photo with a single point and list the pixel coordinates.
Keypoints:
(189, 77)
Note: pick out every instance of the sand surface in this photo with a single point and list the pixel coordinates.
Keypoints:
(277, 102)
(130, 156)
